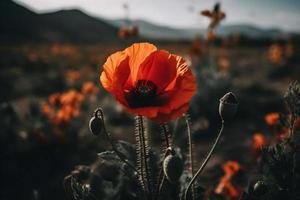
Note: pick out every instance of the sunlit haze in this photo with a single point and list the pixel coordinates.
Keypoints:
(283, 14)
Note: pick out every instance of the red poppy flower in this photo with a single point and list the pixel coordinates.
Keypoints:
(206, 13)
(89, 88)
(149, 82)
(123, 33)
(272, 119)
(231, 168)
(259, 141)
(215, 15)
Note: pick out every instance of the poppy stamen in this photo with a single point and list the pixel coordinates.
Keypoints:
(143, 94)
(145, 89)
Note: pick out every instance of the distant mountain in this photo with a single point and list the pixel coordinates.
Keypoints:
(19, 24)
(252, 31)
(150, 30)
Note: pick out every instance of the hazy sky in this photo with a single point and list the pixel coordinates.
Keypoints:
(284, 14)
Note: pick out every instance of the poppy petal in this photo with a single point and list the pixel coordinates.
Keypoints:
(137, 54)
(113, 81)
(150, 112)
(206, 13)
(185, 90)
(222, 15)
(165, 117)
(160, 68)
(109, 69)
(121, 76)
(184, 86)
(179, 92)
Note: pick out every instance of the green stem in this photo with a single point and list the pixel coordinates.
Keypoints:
(176, 125)
(161, 183)
(161, 176)
(166, 148)
(145, 154)
(291, 134)
(140, 154)
(166, 135)
(292, 125)
(190, 143)
(120, 155)
(205, 161)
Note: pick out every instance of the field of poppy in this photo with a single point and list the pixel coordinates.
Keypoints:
(51, 91)
(216, 118)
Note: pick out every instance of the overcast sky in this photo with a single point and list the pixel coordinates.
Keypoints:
(284, 14)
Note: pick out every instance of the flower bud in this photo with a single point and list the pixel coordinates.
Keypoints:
(173, 167)
(228, 106)
(96, 124)
(259, 188)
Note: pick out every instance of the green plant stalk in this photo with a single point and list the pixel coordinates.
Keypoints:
(120, 155)
(160, 183)
(292, 125)
(166, 135)
(291, 135)
(176, 126)
(205, 161)
(144, 155)
(166, 148)
(210, 53)
(139, 154)
(190, 144)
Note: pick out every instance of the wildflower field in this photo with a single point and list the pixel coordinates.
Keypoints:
(213, 118)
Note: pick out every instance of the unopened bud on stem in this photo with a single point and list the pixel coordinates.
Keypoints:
(173, 167)
(259, 188)
(228, 106)
(96, 123)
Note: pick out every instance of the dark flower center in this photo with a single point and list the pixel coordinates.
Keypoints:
(143, 94)
(145, 89)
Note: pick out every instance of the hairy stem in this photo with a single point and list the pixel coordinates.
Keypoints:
(140, 154)
(144, 154)
(205, 161)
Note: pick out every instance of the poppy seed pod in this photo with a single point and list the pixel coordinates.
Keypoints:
(96, 124)
(173, 167)
(228, 106)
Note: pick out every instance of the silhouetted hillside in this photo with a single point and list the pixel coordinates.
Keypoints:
(18, 24)
(154, 31)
